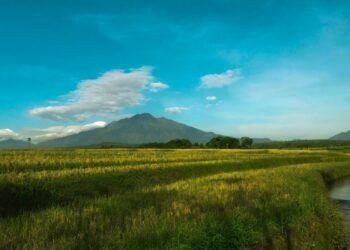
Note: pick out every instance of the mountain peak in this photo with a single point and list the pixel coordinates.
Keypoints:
(138, 118)
(138, 129)
(143, 116)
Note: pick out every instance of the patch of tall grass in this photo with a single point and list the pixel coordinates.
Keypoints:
(170, 199)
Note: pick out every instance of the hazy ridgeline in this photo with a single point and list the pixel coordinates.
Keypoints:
(170, 199)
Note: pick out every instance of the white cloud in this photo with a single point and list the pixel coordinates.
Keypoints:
(103, 96)
(176, 110)
(157, 86)
(61, 131)
(7, 134)
(210, 98)
(220, 80)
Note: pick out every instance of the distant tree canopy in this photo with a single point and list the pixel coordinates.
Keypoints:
(176, 143)
(179, 143)
(303, 144)
(223, 142)
(246, 142)
(198, 145)
(216, 142)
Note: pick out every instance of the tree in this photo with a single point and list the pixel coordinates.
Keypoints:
(176, 143)
(215, 142)
(223, 142)
(246, 142)
(179, 143)
(231, 142)
(196, 145)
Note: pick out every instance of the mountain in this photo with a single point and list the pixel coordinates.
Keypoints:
(139, 129)
(13, 144)
(344, 136)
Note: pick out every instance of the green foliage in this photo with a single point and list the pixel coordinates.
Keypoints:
(179, 143)
(223, 142)
(303, 144)
(246, 142)
(170, 199)
(176, 143)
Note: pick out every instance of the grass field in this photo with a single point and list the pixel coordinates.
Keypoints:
(170, 199)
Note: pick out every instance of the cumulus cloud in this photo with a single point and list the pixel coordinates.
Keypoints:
(7, 134)
(157, 86)
(61, 131)
(210, 98)
(103, 96)
(176, 110)
(220, 80)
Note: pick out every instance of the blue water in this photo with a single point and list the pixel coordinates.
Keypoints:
(340, 192)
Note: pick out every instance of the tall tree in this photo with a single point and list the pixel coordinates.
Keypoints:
(223, 142)
(246, 142)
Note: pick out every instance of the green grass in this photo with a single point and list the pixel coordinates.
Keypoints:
(170, 199)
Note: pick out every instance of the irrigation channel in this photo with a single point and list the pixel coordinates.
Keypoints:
(340, 192)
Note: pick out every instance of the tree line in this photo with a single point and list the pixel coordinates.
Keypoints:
(216, 142)
(303, 144)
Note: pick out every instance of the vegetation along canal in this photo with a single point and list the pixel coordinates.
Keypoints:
(340, 192)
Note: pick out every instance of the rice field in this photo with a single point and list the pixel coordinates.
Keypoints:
(170, 199)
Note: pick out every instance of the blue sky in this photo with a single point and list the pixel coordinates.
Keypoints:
(277, 69)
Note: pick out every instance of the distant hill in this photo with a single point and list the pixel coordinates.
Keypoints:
(345, 136)
(139, 129)
(261, 140)
(13, 144)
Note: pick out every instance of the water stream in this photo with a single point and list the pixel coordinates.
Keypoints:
(340, 192)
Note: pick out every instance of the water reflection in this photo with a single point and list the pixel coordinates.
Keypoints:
(340, 192)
